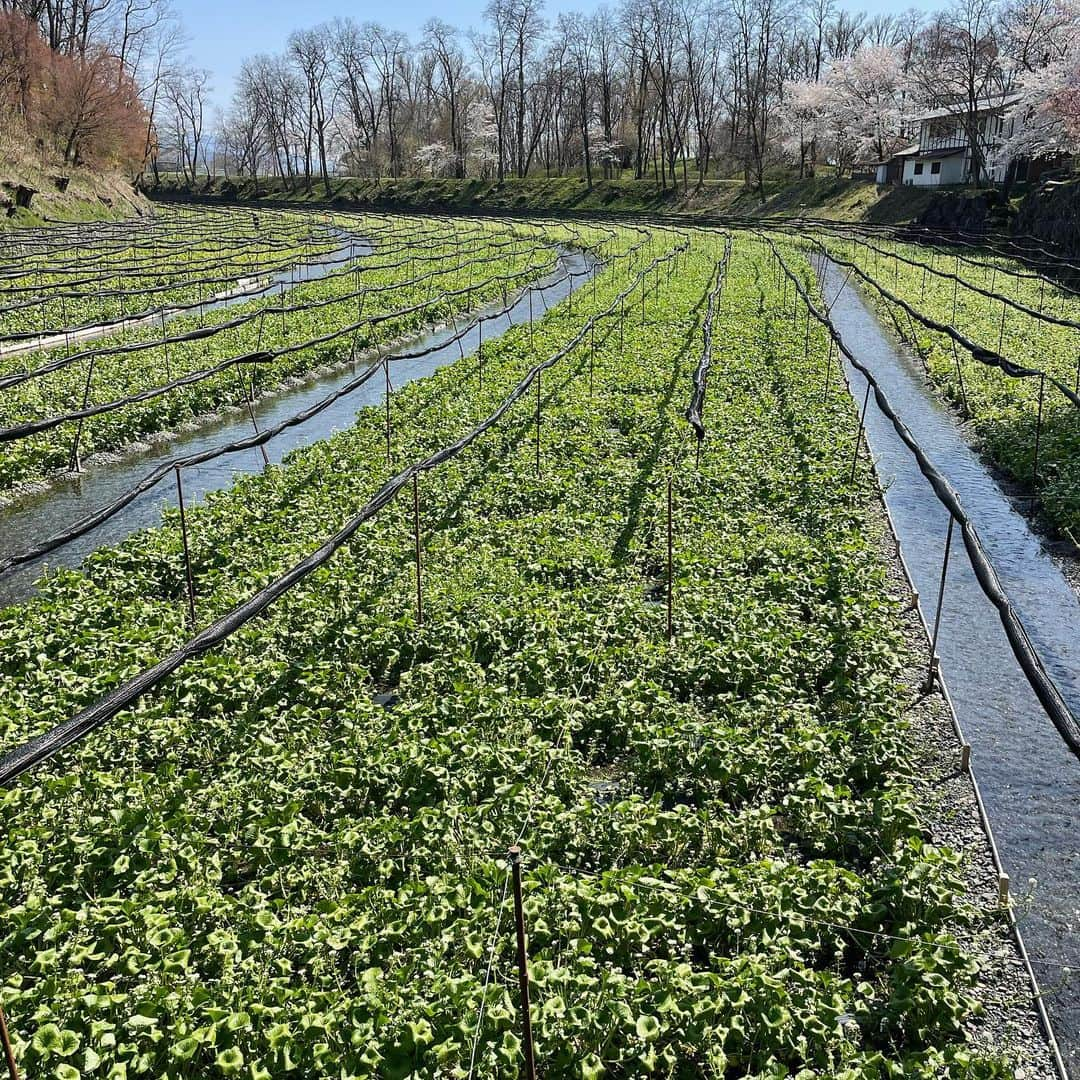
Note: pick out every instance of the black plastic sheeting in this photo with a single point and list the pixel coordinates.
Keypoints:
(1043, 316)
(44, 746)
(695, 410)
(152, 479)
(1026, 656)
(56, 364)
(255, 289)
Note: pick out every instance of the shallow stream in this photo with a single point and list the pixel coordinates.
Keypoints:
(1030, 779)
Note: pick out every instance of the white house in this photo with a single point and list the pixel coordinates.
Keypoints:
(943, 153)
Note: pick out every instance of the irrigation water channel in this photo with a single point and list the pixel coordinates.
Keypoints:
(1030, 780)
(25, 521)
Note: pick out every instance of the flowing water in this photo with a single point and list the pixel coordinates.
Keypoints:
(1030, 780)
(26, 521)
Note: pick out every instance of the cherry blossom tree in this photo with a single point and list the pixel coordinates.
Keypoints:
(870, 86)
(1044, 36)
(856, 110)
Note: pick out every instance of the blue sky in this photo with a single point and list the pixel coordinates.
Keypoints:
(223, 33)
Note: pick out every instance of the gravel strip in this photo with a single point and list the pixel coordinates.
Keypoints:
(1010, 1025)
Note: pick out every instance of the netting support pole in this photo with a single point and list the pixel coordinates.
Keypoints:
(187, 550)
(934, 662)
(9, 1053)
(960, 376)
(1001, 329)
(670, 567)
(592, 358)
(480, 352)
(255, 425)
(529, 1072)
(74, 465)
(1038, 440)
(538, 425)
(859, 433)
(165, 347)
(386, 397)
(416, 538)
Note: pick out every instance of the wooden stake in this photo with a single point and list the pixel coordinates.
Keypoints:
(416, 536)
(9, 1052)
(529, 1071)
(187, 550)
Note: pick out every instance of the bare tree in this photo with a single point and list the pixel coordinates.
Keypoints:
(447, 76)
(310, 50)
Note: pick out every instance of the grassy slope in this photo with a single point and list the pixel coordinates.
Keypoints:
(90, 195)
(823, 196)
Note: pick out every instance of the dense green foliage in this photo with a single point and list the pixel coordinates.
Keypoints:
(131, 269)
(265, 869)
(422, 275)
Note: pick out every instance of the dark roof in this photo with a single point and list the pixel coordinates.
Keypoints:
(929, 155)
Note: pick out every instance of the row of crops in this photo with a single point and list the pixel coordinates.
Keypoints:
(123, 271)
(288, 857)
(1007, 320)
(65, 404)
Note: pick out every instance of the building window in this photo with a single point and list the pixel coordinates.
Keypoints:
(935, 168)
(918, 168)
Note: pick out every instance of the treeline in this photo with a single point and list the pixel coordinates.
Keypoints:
(673, 90)
(676, 90)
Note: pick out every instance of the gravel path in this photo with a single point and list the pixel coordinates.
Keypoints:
(1010, 1025)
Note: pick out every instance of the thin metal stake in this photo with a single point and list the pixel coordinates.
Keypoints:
(940, 601)
(255, 425)
(960, 376)
(523, 966)
(538, 424)
(1038, 438)
(187, 551)
(74, 465)
(858, 437)
(9, 1052)
(416, 535)
(670, 567)
(386, 372)
(165, 347)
